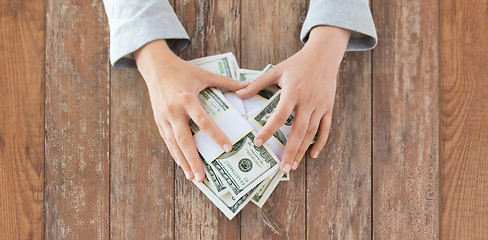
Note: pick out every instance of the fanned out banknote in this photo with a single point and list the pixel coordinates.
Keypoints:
(246, 173)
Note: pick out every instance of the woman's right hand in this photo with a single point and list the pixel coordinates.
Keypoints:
(174, 85)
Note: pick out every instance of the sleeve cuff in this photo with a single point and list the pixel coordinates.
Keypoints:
(354, 15)
(148, 23)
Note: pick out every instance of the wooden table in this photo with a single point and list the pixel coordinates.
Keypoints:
(81, 157)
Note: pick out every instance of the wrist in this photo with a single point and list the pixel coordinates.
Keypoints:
(149, 59)
(328, 43)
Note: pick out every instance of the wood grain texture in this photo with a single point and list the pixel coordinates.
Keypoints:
(339, 180)
(21, 119)
(77, 121)
(406, 120)
(270, 34)
(270, 31)
(464, 119)
(141, 168)
(213, 27)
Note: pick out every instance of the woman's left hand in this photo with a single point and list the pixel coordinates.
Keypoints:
(308, 82)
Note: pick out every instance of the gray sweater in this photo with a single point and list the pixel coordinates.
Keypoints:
(133, 23)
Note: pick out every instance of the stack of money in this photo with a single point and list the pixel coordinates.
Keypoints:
(247, 173)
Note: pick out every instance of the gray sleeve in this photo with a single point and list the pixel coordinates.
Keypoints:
(354, 15)
(133, 23)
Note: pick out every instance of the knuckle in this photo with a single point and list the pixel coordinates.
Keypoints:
(299, 88)
(301, 130)
(203, 121)
(171, 142)
(183, 140)
(282, 115)
(170, 110)
(311, 131)
(185, 97)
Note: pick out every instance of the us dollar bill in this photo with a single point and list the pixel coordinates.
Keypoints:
(256, 102)
(245, 166)
(222, 64)
(247, 75)
(264, 114)
(265, 189)
(214, 103)
(247, 173)
(212, 99)
(268, 92)
(215, 183)
(266, 69)
(229, 205)
(285, 177)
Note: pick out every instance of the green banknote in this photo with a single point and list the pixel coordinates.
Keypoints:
(245, 166)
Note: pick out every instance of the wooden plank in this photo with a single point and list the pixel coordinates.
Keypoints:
(406, 120)
(77, 121)
(141, 168)
(213, 27)
(21, 119)
(464, 119)
(339, 181)
(270, 34)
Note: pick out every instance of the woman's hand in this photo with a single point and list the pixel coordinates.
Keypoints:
(173, 86)
(308, 82)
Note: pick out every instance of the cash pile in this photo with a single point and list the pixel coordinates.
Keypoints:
(247, 173)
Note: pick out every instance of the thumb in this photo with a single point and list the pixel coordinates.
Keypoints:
(263, 81)
(226, 82)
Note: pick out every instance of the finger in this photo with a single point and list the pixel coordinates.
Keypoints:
(206, 123)
(323, 134)
(260, 83)
(176, 151)
(278, 118)
(298, 130)
(187, 146)
(313, 126)
(163, 135)
(216, 80)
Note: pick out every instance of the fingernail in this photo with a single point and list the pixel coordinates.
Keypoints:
(258, 142)
(177, 162)
(315, 154)
(295, 165)
(240, 91)
(198, 176)
(286, 168)
(188, 175)
(226, 147)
